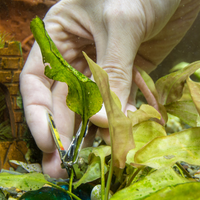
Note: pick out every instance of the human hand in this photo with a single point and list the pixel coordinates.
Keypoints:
(117, 35)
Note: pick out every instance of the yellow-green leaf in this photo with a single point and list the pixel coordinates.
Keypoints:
(144, 113)
(143, 133)
(166, 150)
(120, 127)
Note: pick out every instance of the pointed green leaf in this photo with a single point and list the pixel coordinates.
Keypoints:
(120, 127)
(143, 133)
(144, 113)
(93, 172)
(150, 184)
(170, 87)
(186, 191)
(185, 110)
(83, 97)
(30, 181)
(194, 88)
(167, 150)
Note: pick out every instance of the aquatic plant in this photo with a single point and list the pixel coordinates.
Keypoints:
(140, 162)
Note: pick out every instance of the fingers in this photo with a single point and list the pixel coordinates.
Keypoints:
(124, 26)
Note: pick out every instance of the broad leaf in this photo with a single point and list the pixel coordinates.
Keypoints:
(167, 150)
(150, 184)
(120, 127)
(194, 88)
(30, 181)
(143, 133)
(144, 113)
(83, 96)
(186, 191)
(185, 110)
(170, 87)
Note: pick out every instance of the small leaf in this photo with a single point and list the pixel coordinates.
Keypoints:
(93, 172)
(30, 181)
(186, 191)
(170, 87)
(166, 150)
(143, 133)
(120, 127)
(194, 88)
(144, 113)
(185, 110)
(150, 184)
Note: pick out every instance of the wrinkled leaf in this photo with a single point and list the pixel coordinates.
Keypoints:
(150, 184)
(143, 133)
(144, 113)
(93, 172)
(166, 150)
(30, 181)
(170, 87)
(194, 88)
(83, 96)
(152, 95)
(120, 127)
(186, 191)
(185, 110)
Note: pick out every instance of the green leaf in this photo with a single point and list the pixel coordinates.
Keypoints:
(144, 113)
(185, 110)
(170, 87)
(120, 127)
(186, 191)
(150, 184)
(93, 172)
(167, 150)
(30, 181)
(97, 167)
(143, 133)
(194, 88)
(83, 96)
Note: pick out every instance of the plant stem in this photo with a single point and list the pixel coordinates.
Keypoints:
(182, 170)
(109, 179)
(68, 192)
(102, 180)
(133, 176)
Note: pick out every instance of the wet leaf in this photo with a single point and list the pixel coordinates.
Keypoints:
(120, 127)
(150, 184)
(185, 110)
(166, 150)
(30, 181)
(194, 88)
(143, 133)
(83, 96)
(186, 191)
(170, 87)
(144, 113)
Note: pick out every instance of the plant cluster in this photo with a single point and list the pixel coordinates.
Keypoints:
(139, 164)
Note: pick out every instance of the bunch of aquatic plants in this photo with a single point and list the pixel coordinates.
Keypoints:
(140, 162)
